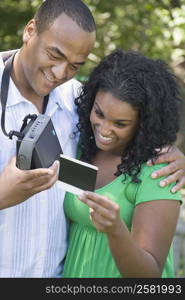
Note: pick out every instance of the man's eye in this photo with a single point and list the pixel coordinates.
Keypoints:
(52, 57)
(74, 68)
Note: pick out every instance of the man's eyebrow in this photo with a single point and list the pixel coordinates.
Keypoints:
(60, 53)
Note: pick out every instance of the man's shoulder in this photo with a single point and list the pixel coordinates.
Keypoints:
(73, 84)
(4, 55)
(1, 60)
(66, 93)
(70, 89)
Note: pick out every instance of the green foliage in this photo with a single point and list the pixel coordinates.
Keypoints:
(156, 28)
(13, 17)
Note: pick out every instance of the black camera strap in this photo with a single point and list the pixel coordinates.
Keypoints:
(4, 95)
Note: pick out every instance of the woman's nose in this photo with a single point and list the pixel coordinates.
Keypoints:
(105, 128)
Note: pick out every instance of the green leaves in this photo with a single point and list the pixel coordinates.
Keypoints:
(156, 28)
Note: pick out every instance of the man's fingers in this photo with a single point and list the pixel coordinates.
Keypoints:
(13, 160)
(179, 185)
(11, 164)
(172, 178)
(168, 154)
(53, 170)
(162, 158)
(38, 181)
(41, 183)
(46, 177)
(169, 169)
(55, 167)
(45, 186)
(36, 173)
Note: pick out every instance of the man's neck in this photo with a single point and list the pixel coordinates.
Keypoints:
(22, 84)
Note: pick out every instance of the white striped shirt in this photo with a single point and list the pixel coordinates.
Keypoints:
(33, 234)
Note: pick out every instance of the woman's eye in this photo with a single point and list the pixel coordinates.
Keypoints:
(120, 125)
(98, 113)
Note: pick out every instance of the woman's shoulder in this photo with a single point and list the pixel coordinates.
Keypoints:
(147, 170)
(150, 189)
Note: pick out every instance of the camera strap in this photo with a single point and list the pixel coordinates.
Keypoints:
(4, 96)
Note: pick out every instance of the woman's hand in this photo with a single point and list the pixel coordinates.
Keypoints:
(175, 169)
(104, 214)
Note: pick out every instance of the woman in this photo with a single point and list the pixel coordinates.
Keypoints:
(128, 110)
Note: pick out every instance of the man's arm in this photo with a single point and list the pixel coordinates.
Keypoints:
(18, 185)
(175, 169)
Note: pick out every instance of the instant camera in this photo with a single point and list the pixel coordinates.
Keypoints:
(38, 146)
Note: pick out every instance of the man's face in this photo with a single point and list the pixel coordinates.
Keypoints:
(54, 56)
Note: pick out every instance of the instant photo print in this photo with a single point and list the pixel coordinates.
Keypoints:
(75, 176)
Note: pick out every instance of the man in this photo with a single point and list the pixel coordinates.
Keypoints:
(55, 44)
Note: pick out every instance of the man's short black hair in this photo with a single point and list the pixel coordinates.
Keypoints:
(75, 9)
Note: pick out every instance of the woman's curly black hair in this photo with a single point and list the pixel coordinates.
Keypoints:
(151, 88)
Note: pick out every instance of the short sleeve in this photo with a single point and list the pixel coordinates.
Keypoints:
(149, 188)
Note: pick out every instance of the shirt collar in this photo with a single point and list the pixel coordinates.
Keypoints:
(15, 97)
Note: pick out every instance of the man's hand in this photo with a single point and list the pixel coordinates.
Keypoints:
(18, 185)
(175, 169)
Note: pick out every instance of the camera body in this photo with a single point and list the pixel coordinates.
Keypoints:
(38, 147)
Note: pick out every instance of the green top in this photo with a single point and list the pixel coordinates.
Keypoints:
(88, 253)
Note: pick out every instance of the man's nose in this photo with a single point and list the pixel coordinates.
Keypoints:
(60, 71)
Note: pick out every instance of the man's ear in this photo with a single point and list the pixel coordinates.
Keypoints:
(29, 31)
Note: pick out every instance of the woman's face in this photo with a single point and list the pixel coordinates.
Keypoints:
(113, 122)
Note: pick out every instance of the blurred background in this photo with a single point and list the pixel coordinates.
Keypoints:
(155, 28)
